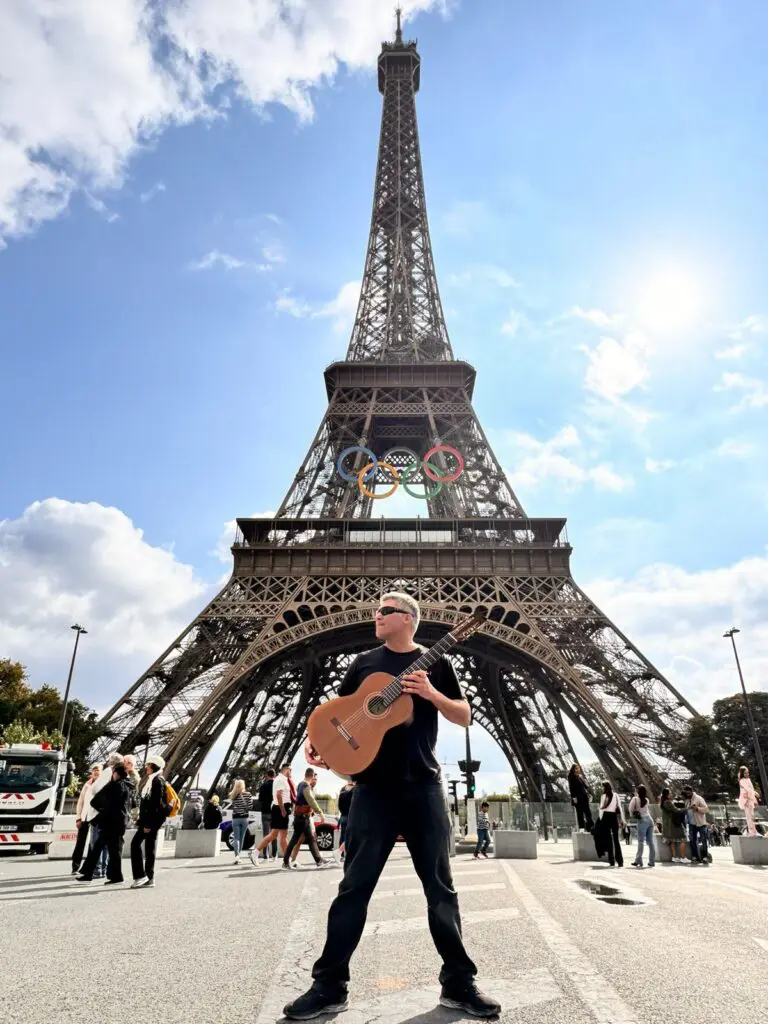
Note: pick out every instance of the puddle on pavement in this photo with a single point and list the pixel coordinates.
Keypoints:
(606, 893)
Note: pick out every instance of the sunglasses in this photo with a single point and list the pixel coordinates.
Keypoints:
(389, 610)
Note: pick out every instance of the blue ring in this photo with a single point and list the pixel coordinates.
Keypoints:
(352, 478)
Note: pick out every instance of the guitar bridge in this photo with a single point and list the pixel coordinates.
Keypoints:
(347, 736)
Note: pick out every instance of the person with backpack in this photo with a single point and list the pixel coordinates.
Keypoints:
(112, 805)
(154, 808)
(640, 812)
(696, 811)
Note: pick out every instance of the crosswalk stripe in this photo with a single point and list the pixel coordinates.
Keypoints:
(413, 877)
(387, 893)
(420, 924)
(763, 943)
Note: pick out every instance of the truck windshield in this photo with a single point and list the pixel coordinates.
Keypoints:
(25, 776)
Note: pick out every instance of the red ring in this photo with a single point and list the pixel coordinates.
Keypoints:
(450, 451)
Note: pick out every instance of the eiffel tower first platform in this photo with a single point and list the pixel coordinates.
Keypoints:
(299, 604)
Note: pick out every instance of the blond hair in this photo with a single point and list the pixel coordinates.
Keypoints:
(407, 603)
(238, 787)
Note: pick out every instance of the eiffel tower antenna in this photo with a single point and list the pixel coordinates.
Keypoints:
(399, 32)
(298, 607)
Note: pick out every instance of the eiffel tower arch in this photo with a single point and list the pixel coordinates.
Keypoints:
(298, 607)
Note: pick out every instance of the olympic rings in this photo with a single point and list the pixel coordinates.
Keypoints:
(366, 476)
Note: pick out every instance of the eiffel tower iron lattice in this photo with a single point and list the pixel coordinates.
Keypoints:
(298, 606)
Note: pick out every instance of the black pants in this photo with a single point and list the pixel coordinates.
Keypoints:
(584, 815)
(110, 837)
(80, 844)
(376, 818)
(143, 861)
(266, 828)
(611, 825)
(302, 829)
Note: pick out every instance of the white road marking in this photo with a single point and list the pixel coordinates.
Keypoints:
(420, 924)
(763, 943)
(388, 893)
(413, 877)
(594, 990)
(529, 989)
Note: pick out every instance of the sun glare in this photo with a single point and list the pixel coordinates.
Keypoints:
(670, 299)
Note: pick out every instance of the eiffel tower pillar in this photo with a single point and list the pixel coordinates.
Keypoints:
(299, 604)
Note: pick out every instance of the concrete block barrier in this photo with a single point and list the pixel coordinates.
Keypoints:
(516, 845)
(202, 842)
(749, 849)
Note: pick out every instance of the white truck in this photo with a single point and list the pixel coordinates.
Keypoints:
(33, 779)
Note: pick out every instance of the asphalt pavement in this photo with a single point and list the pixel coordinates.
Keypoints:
(554, 941)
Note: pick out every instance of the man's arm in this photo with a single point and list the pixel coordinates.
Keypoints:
(455, 709)
(312, 801)
(279, 798)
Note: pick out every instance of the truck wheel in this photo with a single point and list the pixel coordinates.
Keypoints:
(39, 848)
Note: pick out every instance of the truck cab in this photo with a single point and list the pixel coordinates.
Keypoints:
(33, 780)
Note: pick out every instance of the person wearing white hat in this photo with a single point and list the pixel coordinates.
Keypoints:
(153, 810)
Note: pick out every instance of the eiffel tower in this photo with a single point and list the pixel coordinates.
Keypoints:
(298, 607)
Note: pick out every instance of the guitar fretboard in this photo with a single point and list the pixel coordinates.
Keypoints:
(393, 690)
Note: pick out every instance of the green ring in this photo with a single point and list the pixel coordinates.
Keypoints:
(405, 476)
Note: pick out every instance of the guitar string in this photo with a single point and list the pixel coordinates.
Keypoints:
(428, 658)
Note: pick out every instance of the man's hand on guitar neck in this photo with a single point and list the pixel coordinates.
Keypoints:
(311, 756)
(456, 711)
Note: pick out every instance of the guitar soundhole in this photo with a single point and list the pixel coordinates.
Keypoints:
(377, 706)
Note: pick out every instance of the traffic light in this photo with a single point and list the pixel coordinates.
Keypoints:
(468, 769)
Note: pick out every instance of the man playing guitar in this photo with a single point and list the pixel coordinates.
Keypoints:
(399, 793)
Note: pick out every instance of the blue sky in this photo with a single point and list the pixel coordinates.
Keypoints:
(181, 260)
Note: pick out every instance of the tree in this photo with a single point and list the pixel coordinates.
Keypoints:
(729, 718)
(37, 712)
(701, 750)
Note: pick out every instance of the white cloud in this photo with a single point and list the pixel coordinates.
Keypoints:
(616, 368)
(158, 187)
(538, 461)
(598, 317)
(736, 449)
(677, 618)
(86, 84)
(273, 252)
(513, 323)
(485, 273)
(755, 324)
(101, 208)
(63, 562)
(734, 352)
(755, 392)
(659, 465)
(214, 258)
(341, 309)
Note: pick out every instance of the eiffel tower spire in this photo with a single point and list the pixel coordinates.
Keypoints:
(399, 316)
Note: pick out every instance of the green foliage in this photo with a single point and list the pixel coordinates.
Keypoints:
(702, 752)
(729, 718)
(595, 776)
(40, 711)
(21, 731)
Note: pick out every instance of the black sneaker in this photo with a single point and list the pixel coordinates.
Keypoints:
(471, 1000)
(314, 1004)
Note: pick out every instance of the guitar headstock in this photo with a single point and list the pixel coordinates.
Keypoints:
(469, 625)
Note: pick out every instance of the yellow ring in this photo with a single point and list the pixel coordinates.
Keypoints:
(369, 494)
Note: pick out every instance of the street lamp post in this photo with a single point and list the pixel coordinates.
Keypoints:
(731, 635)
(78, 630)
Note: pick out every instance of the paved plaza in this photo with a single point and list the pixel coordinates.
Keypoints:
(218, 943)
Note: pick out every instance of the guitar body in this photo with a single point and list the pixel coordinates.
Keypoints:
(347, 732)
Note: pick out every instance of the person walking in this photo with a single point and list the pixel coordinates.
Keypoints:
(747, 799)
(153, 810)
(241, 808)
(82, 823)
(672, 827)
(696, 812)
(113, 805)
(580, 797)
(265, 807)
(306, 806)
(212, 815)
(283, 798)
(610, 818)
(344, 803)
(483, 832)
(640, 813)
(399, 793)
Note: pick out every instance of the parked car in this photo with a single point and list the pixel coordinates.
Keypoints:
(324, 831)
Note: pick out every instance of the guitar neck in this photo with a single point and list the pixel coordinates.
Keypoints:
(422, 663)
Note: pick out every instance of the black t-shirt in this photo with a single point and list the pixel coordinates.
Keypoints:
(407, 753)
(265, 796)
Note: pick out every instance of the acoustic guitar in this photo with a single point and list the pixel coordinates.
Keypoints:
(347, 732)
